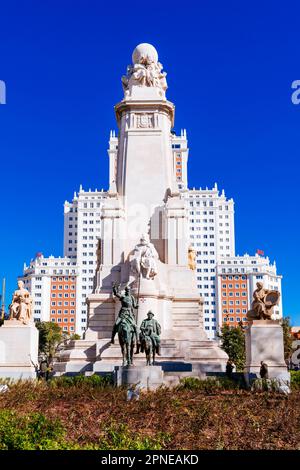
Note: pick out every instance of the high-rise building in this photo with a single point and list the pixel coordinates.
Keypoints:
(52, 283)
(211, 224)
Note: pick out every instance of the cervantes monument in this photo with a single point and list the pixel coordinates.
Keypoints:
(144, 238)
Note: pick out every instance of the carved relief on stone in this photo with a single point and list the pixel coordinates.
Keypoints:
(145, 121)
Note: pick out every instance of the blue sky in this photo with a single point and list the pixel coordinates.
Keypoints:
(230, 67)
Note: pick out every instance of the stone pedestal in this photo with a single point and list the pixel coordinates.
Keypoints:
(148, 377)
(18, 347)
(264, 342)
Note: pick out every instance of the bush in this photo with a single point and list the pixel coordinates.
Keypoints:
(295, 379)
(81, 381)
(118, 437)
(208, 385)
(30, 432)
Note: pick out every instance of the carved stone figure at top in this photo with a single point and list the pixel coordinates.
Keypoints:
(21, 305)
(146, 70)
(263, 304)
(144, 259)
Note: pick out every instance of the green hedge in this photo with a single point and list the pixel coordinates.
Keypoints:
(295, 379)
(208, 385)
(81, 380)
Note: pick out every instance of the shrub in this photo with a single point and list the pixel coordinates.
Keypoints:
(118, 437)
(81, 381)
(208, 385)
(295, 379)
(30, 432)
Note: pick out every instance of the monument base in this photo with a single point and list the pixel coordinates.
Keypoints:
(178, 359)
(146, 377)
(18, 350)
(264, 342)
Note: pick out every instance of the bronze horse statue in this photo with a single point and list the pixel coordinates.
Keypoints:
(125, 324)
(126, 335)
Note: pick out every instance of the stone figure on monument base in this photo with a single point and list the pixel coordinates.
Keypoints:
(125, 324)
(143, 262)
(21, 306)
(149, 338)
(19, 338)
(192, 258)
(263, 304)
(146, 71)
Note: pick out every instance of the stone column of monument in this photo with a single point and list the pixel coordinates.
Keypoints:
(144, 231)
(19, 339)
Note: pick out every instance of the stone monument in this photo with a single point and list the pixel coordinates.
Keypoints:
(145, 238)
(19, 338)
(264, 338)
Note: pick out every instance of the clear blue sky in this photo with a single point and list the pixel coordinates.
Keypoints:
(230, 67)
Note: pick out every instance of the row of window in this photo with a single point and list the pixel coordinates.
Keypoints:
(236, 278)
(205, 278)
(65, 287)
(66, 304)
(205, 270)
(205, 286)
(236, 286)
(237, 319)
(206, 261)
(203, 213)
(64, 320)
(236, 270)
(66, 312)
(237, 310)
(66, 295)
(234, 294)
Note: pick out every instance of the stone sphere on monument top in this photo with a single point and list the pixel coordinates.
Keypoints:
(144, 50)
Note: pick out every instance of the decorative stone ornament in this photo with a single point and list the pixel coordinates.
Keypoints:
(146, 71)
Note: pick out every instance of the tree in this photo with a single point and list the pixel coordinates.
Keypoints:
(287, 337)
(52, 339)
(233, 343)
